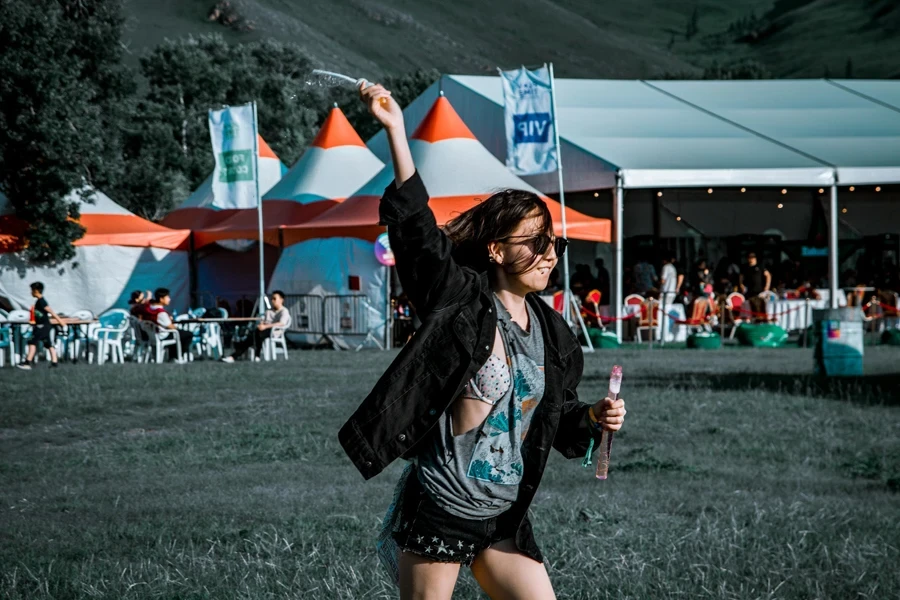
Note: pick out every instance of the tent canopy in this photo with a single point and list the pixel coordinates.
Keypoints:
(698, 133)
(203, 209)
(336, 161)
(105, 222)
(458, 171)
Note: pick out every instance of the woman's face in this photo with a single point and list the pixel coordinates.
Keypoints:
(518, 251)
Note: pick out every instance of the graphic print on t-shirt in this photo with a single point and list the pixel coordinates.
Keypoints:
(497, 454)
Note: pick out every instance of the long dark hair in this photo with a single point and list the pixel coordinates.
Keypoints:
(494, 219)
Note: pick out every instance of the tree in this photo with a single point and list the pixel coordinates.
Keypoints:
(168, 151)
(61, 84)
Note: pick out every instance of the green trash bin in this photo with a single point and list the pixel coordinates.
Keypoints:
(603, 339)
(891, 337)
(839, 341)
(761, 335)
(704, 340)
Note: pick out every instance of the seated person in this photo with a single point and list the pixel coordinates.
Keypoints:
(138, 302)
(156, 312)
(277, 317)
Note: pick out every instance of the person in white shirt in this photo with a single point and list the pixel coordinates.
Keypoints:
(277, 317)
(671, 280)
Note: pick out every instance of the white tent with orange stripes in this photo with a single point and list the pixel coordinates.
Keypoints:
(119, 252)
(226, 270)
(459, 173)
(202, 209)
(336, 164)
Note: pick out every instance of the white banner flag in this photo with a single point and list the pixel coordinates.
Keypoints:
(528, 110)
(233, 133)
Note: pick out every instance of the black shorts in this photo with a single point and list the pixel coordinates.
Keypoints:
(40, 334)
(428, 530)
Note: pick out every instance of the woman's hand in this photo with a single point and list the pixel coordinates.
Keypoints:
(385, 110)
(610, 414)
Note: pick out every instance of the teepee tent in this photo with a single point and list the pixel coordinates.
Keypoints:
(336, 161)
(226, 271)
(202, 209)
(119, 252)
(459, 173)
(337, 164)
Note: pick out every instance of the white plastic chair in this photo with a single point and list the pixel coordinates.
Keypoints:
(5, 341)
(24, 333)
(109, 336)
(277, 341)
(69, 343)
(159, 339)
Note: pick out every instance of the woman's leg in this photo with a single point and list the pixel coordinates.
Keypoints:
(424, 579)
(504, 573)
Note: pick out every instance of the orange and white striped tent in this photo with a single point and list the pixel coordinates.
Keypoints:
(459, 173)
(202, 209)
(336, 164)
(119, 252)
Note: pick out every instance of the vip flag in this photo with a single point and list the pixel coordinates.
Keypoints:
(233, 133)
(528, 111)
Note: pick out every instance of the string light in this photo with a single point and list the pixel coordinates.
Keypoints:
(709, 191)
(852, 189)
(843, 210)
(780, 205)
(659, 194)
(596, 194)
(678, 218)
(783, 192)
(821, 191)
(743, 190)
(878, 189)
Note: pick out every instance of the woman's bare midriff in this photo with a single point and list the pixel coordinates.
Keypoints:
(468, 413)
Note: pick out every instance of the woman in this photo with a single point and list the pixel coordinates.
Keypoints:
(479, 395)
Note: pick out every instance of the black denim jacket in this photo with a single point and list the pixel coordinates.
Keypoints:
(456, 308)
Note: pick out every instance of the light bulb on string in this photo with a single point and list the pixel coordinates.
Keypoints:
(844, 210)
(780, 205)
(783, 192)
(709, 191)
(878, 189)
(596, 194)
(852, 189)
(743, 190)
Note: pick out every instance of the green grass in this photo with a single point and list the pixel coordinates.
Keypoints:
(584, 38)
(737, 476)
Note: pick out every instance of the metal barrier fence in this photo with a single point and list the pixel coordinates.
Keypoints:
(333, 315)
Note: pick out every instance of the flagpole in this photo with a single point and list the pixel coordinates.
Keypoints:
(562, 197)
(259, 213)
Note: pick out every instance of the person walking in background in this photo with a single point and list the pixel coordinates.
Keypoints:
(754, 281)
(156, 312)
(277, 317)
(41, 328)
(671, 280)
(645, 277)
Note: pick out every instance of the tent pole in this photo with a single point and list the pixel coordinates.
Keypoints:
(618, 215)
(833, 244)
(259, 214)
(562, 198)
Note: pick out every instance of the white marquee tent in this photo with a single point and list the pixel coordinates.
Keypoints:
(656, 135)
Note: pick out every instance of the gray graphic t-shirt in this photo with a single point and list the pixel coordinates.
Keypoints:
(476, 475)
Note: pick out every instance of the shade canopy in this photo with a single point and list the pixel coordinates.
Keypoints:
(105, 222)
(458, 171)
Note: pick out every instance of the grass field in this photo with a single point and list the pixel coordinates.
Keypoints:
(737, 476)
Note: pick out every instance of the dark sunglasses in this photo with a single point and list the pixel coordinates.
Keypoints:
(541, 242)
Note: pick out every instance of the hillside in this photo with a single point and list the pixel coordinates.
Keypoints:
(584, 38)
